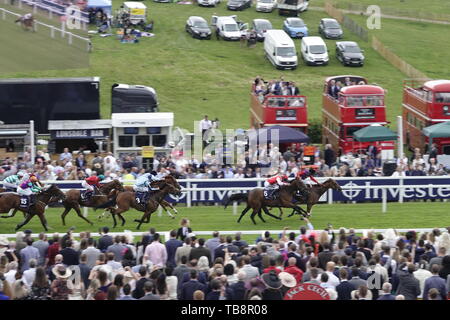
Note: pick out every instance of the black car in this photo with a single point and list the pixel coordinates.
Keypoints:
(239, 4)
(198, 28)
(330, 29)
(261, 26)
(349, 53)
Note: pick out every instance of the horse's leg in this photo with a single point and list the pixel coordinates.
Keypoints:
(12, 214)
(78, 211)
(260, 215)
(67, 209)
(163, 205)
(43, 220)
(252, 216)
(281, 212)
(121, 218)
(144, 218)
(266, 211)
(243, 213)
(27, 219)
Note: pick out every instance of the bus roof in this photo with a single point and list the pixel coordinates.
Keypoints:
(342, 78)
(362, 90)
(438, 85)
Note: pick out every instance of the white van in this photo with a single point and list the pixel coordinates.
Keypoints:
(228, 28)
(265, 5)
(136, 10)
(314, 51)
(280, 49)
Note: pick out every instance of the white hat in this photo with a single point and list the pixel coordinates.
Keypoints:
(287, 279)
(60, 271)
(4, 241)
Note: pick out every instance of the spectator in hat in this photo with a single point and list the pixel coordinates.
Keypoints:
(27, 253)
(273, 286)
(287, 281)
(59, 288)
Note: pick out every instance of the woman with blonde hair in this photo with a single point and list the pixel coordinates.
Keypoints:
(444, 242)
(93, 289)
(20, 290)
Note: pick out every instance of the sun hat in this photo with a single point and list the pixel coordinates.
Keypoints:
(60, 271)
(287, 279)
(4, 241)
(271, 280)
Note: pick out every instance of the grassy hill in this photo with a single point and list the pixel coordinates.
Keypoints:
(195, 77)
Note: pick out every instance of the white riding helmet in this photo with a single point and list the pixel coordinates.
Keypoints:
(20, 174)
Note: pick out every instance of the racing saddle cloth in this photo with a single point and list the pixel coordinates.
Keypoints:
(141, 198)
(270, 194)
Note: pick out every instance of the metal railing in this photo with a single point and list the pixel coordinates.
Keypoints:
(53, 31)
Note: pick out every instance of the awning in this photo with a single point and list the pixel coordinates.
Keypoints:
(79, 124)
(439, 130)
(374, 132)
(150, 119)
(283, 134)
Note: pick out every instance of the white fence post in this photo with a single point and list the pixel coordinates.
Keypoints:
(70, 38)
(330, 196)
(159, 211)
(85, 212)
(3, 14)
(234, 208)
(384, 206)
(52, 32)
(188, 196)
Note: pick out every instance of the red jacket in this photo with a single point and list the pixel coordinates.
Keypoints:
(93, 181)
(305, 174)
(273, 180)
(296, 272)
(267, 270)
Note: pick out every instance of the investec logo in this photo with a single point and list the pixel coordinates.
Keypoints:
(353, 190)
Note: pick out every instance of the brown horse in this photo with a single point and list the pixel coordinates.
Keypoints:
(126, 200)
(315, 193)
(74, 201)
(11, 200)
(27, 24)
(257, 201)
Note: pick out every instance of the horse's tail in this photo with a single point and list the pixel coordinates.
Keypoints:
(236, 197)
(110, 203)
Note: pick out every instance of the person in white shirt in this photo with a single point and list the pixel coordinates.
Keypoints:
(30, 274)
(422, 274)
(205, 125)
(333, 281)
(399, 172)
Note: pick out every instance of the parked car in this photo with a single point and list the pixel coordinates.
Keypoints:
(349, 53)
(330, 29)
(198, 28)
(295, 28)
(261, 26)
(208, 3)
(239, 5)
(228, 27)
(265, 5)
(280, 50)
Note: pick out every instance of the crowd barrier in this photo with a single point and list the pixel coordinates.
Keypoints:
(354, 189)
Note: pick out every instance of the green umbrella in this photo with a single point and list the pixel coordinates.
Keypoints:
(374, 133)
(439, 130)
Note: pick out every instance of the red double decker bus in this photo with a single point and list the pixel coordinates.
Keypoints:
(425, 103)
(290, 111)
(354, 107)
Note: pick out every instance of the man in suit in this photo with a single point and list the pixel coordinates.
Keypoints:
(408, 285)
(105, 241)
(293, 89)
(356, 281)
(250, 271)
(345, 288)
(139, 291)
(183, 251)
(333, 90)
(171, 247)
(325, 256)
(386, 295)
(148, 289)
(188, 288)
(200, 251)
(237, 290)
(435, 281)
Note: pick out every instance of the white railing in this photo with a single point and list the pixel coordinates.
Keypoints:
(166, 234)
(53, 31)
(56, 10)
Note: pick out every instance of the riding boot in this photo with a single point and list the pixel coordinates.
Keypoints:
(32, 200)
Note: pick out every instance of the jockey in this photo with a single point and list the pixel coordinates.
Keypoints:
(92, 184)
(303, 175)
(275, 182)
(143, 183)
(28, 16)
(12, 182)
(29, 188)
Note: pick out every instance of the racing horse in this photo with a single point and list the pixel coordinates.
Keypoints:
(73, 199)
(257, 201)
(11, 200)
(126, 200)
(27, 22)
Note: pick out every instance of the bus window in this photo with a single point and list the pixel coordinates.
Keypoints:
(296, 102)
(442, 97)
(356, 101)
(351, 130)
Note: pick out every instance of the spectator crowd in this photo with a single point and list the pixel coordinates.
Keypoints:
(349, 266)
